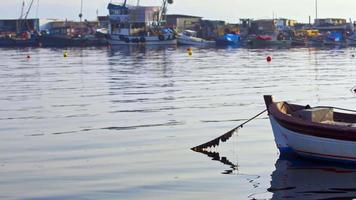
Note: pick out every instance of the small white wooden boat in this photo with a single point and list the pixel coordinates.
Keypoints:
(189, 37)
(319, 133)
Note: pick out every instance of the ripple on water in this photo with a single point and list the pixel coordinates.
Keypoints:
(119, 123)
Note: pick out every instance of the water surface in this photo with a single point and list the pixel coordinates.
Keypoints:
(119, 123)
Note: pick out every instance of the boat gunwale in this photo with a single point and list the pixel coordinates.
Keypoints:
(331, 131)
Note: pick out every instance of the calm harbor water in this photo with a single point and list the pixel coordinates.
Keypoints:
(119, 123)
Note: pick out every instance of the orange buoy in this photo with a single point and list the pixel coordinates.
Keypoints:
(269, 58)
(28, 56)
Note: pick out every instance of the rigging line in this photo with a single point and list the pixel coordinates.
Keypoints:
(226, 136)
(22, 9)
(29, 9)
(337, 108)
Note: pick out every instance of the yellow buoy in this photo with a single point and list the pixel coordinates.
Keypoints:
(190, 51)
(65, 54)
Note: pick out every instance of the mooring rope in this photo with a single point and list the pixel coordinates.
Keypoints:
(226, 136)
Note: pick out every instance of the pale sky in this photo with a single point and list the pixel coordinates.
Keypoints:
(228, 10)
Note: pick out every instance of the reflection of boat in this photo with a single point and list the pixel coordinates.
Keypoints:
(189, 37)
(296, 178)
(319, 132)
(132, 25)
(228, 39)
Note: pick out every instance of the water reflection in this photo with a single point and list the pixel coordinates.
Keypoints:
(297, 178)
(224, 160)
(135, 50)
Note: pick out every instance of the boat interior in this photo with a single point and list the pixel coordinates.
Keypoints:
(322, 114)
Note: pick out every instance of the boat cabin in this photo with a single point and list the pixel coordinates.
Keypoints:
(133, 20)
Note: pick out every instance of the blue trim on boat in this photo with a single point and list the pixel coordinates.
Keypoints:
(284, 150)
(328, 159)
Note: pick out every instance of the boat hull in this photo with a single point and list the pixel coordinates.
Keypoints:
(351, 42)
(52, 41)
(10, 42)
(148, 40)
(312, 146)
(333, 141)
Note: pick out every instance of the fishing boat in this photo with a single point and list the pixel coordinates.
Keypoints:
(189, 37)
(25, 39)
(22, 32)
(318, 133)
(133, 25)
(79, 34)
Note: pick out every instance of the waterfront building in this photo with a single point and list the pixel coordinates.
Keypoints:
(184, 22)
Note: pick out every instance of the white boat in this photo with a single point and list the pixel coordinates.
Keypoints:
(318, 133)
(189, 37)
(139, 25)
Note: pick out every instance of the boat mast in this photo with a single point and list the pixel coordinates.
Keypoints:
(164, 10)
(19, 23)
(22, 9)
(23, 17)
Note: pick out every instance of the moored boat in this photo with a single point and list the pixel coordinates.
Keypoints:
(189, 37)
(318, 133)
(25, 39)
(133, 25)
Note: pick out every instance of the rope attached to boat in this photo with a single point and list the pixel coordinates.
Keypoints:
(348, 110)
(226, 136)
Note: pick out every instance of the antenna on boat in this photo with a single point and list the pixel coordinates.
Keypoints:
(124, 4)
(138, 2)
(38, 5)
(316, 9)
(81, 10)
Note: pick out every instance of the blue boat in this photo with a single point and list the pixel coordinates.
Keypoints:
(228, 39)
